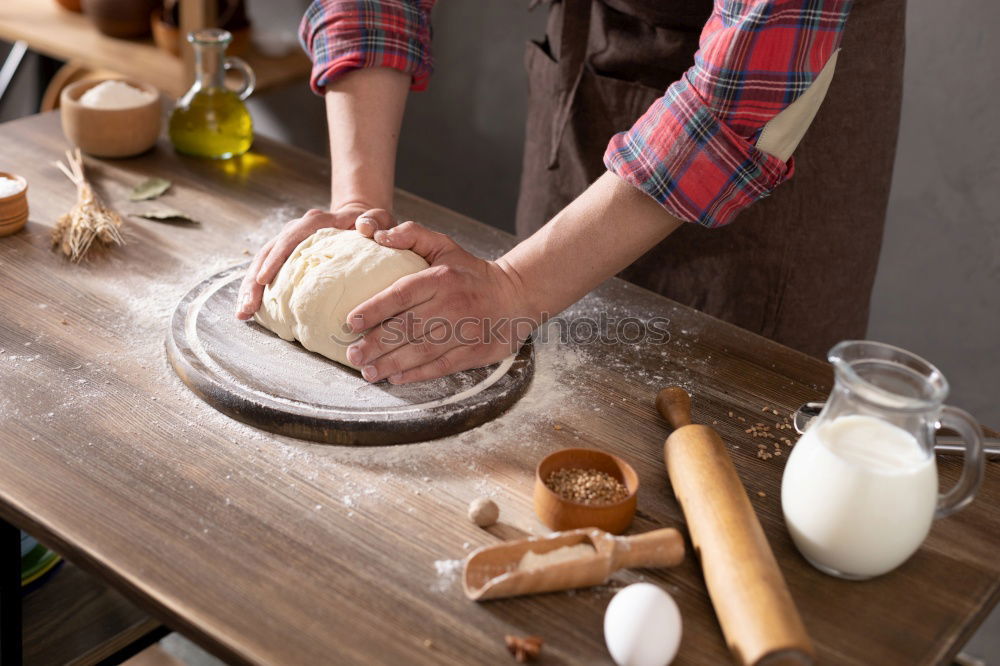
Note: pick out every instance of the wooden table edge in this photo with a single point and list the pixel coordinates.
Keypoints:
(135, 591)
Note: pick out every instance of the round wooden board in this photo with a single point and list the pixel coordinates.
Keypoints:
(252, 375)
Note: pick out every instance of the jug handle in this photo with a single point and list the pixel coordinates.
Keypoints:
(972, 469)
(249, 78)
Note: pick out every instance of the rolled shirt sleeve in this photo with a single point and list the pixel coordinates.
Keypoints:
(344, 35)
(694, 150)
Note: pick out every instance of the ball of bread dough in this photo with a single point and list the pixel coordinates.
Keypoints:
(326, 276)
(484, 512)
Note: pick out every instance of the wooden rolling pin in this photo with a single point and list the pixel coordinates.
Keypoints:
(752, 602)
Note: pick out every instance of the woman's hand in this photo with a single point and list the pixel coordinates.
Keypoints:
(463, 312)
(272, 256)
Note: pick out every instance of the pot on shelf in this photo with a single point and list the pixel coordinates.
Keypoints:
(120, 18)
(231, 15)
(71, 5)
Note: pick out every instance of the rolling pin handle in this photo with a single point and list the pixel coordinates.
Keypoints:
(674, 404)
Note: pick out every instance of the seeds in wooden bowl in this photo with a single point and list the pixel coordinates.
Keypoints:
(586, 486)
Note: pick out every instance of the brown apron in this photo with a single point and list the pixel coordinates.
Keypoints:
(797, 267)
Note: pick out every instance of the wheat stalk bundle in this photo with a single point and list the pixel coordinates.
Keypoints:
(89, 220)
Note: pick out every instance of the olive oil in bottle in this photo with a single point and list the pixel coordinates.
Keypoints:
(211, 120)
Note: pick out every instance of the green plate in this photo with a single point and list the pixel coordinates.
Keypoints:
(36, 560)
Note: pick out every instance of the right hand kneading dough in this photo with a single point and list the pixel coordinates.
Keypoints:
(328, 275)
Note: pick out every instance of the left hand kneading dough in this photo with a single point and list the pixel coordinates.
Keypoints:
(328, 275)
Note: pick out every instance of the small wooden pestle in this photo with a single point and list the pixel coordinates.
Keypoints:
(756, 611)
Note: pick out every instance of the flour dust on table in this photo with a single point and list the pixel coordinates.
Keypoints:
(130, 325)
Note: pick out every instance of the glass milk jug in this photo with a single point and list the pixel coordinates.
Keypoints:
(860, 488)
(211, 120)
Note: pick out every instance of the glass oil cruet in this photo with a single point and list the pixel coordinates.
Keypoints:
(211, 120)
(860, 488)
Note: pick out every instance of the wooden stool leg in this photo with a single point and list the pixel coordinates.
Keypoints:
(10, 594)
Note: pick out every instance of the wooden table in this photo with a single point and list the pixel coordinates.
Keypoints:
(265, 549)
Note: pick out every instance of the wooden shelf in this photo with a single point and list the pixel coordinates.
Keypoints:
(76, 619)
(49, 29)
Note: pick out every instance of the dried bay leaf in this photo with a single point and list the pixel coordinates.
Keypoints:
(150, 189)
(164, 214)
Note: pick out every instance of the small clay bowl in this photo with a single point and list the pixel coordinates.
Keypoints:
(561, 514)
(110, 132)
(14, 208)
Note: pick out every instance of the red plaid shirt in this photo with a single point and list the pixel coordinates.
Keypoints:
(693, 150)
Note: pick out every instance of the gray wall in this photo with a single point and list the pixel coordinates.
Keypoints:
(462, 138)
(938, 287)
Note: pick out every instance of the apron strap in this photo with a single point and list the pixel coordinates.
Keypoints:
(572, 60)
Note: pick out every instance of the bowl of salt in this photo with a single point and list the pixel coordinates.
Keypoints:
(111, 117)
(13, 203)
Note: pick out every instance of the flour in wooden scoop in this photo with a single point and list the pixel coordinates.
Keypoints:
(532, 560)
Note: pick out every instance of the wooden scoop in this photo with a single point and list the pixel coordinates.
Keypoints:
(752, 602)
(491, 572)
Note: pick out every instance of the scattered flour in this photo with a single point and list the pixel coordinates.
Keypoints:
(128, 320)
(447, 572)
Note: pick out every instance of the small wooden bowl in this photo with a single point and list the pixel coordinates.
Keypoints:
(562, 514)
(110, 132)
(13, 208)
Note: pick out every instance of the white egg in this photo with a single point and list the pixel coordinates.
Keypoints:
(642, 626)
